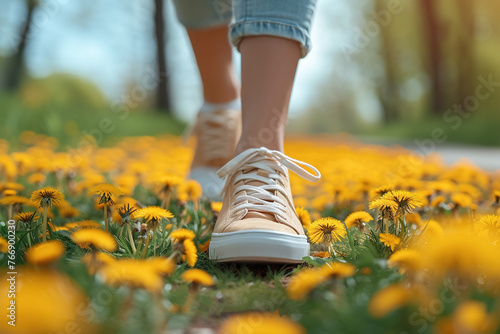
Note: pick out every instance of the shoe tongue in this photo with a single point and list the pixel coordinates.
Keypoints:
(256, 213)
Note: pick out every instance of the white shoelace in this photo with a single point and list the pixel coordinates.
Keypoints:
(262, 198)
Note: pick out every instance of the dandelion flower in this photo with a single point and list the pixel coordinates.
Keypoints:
(161, 265)
(303, 283)
(388, 299)
(386, 207)
(83, 224)
(358, 219)
(132, 273)
(46, 197)
(45, 253)
(407, 260)
(4, 245)
(107, 192)
(461, 200)
(36, 178)
(405, 200)
(337, 270)
(189, 253)
(182, 234)
(153, 215)
(26, 217)
(198, 277)
(192, 189)
(95, 261)
(496, 196)
(9, 192)
(389, 240)
(321, 254)
(437, 201)
(304, 217)
(68, 212)
(326, 230)
(96, 238)
(380, 191)
(260, 323)
(472, 317)
(216, 206)
(489, 226)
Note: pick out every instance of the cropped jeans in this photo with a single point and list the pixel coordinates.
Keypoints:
(289, 19)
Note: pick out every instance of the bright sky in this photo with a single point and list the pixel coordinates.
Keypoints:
(110, 43)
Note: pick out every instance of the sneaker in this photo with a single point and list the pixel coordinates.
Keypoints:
(217, 135)
(258, 222)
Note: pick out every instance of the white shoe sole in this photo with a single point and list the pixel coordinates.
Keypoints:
(258, 246)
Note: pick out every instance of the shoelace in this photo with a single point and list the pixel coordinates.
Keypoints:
(213, 135)
(262, 198)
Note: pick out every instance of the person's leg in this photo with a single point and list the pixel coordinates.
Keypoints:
(268, 65)
(258, 222)
(218, 123)
(213, 53)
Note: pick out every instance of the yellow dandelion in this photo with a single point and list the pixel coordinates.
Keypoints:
(472, 317)
(153, 213)
(337, 270)
(461, 200)
(260, 323)
(198, 277)
(302, 283)
(216, 206)
(326, 230)
(46, 197)
(389, 240)
(496, 196)
(192, 189)
(45, 253)
(204, 246)
(386, 207)
(68, 212)
(11, 185)
(408, 260)
(96, 238)
(388, 299)
(304, 217)
(13, 200)
(36, 178)
(26, 217)
(358, 219)
(107, 192)
(381, 191)
(405, 200)
(162, 265)
(437, 201)
(489, 226)
(4, 245)
(321, 254)
(9, 192)
(182, 234)
(189, 253)
(132, 273)
(83, 224)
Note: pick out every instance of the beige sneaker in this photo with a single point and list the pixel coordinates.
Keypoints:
(258, 222)
(217, 134)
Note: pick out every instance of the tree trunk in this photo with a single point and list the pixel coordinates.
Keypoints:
(388, 92)
(163, 96)
(465, 50)
(433, 34)
(15, 69)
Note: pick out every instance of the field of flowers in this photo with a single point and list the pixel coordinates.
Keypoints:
(115, 240)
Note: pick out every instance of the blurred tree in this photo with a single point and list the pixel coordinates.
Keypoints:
(434, 36)
(163, 97)
(388, 91)
(15, 65)
(466, 49)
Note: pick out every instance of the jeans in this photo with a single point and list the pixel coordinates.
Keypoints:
(290, 19)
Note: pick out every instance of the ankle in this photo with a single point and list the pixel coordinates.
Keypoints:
(254, 141)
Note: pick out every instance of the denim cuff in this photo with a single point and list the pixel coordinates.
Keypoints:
(241, 29)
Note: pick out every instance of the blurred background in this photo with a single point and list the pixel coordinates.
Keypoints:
(426, 72)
